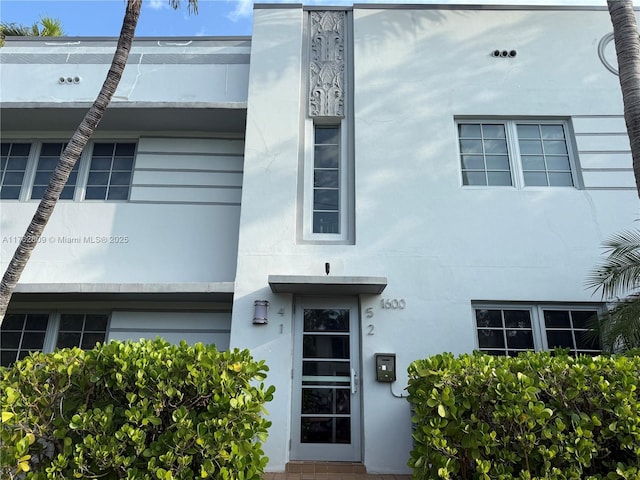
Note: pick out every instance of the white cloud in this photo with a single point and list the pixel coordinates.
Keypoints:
(158, 4)
(244, 8)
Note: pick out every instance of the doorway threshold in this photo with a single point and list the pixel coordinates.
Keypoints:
(314, 467)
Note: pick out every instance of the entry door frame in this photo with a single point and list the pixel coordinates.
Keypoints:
(351, 452)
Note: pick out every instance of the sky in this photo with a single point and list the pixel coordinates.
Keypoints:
(214, 18)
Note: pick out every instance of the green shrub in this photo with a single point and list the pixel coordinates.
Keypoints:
(535, 416)
(134, 410)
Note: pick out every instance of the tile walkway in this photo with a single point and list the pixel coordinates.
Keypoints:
(333, 476)
(329, 471)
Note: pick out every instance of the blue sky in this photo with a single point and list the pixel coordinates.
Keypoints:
(215, 17)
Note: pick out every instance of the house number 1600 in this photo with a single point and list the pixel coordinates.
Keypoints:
(393, 303)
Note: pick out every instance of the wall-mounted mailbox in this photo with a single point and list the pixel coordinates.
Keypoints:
(386, 367)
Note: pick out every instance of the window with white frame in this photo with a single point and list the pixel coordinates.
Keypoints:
(14, 159)
(103, 172)
(22, 333)
(110, 171)
(509, 330)
(326, 179)
(516, 153)
(47, 160)
(328, 184)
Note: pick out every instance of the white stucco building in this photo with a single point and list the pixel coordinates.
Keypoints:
(391, 179)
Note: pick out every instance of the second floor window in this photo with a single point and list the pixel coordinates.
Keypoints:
(326, 180)
(515, 153)
(103, 172)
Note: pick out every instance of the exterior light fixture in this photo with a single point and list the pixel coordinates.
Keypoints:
(260, 312)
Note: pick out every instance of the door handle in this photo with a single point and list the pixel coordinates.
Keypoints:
(354, 381)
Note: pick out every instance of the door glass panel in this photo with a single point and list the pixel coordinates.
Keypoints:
(326, 368)
(326, 430)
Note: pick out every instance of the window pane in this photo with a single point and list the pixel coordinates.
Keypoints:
(557, 179)
(95, 193)
(555, 147)
(89, 340)
(326, 222)
(69, 322)
(118, 193)
(327, 135)
(37, 321)
(96, 323)
(556, 319)
(471, 146)
(120, 178)
(320, 320)
(499, 178)
(534, 179)
(495, 146)
(101, 164)
(32, 341)
(68, 339)
(474, 178)
(310, 367)
(103, 149)
(533, 162)
(325, 346)
(13, 322)
(493, 131)
(10, 339)
(520, 339)
(552, 132)
(489, 318)
(528, 147)
(125, 149)
(98, 178)
(517, 319)
(528, 131)
(560, 339)
(473, 162)
(326, 156)
(325, 178)
(14, 164)
(324, 199)
(582, 318)
(497, 162)
(468, 130)
(49, 155)
(560, 163)
(490, 338)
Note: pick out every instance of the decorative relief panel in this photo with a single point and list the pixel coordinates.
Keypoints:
(327, 64)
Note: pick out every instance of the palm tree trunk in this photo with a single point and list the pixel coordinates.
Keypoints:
(625, 32)
(70, 156)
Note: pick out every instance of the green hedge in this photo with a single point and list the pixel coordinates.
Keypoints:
(535, 416)
(134, 410)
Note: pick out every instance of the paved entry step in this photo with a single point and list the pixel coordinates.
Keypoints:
(326, 467)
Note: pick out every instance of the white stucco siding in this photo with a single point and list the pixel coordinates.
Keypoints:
(157, 71)
(440, 245)
(187, 170)
(206, 328)
(110, 242)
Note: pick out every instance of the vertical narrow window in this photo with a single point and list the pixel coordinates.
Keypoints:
(110, 171)
(544, 155)
(49, 156)
(484, 154)
(13, 165)
(326, 179)
(22, 334)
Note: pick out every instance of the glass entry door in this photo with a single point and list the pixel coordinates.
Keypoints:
(326, 396)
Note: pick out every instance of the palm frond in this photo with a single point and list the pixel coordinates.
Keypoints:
(618, 329)
(619, 273)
